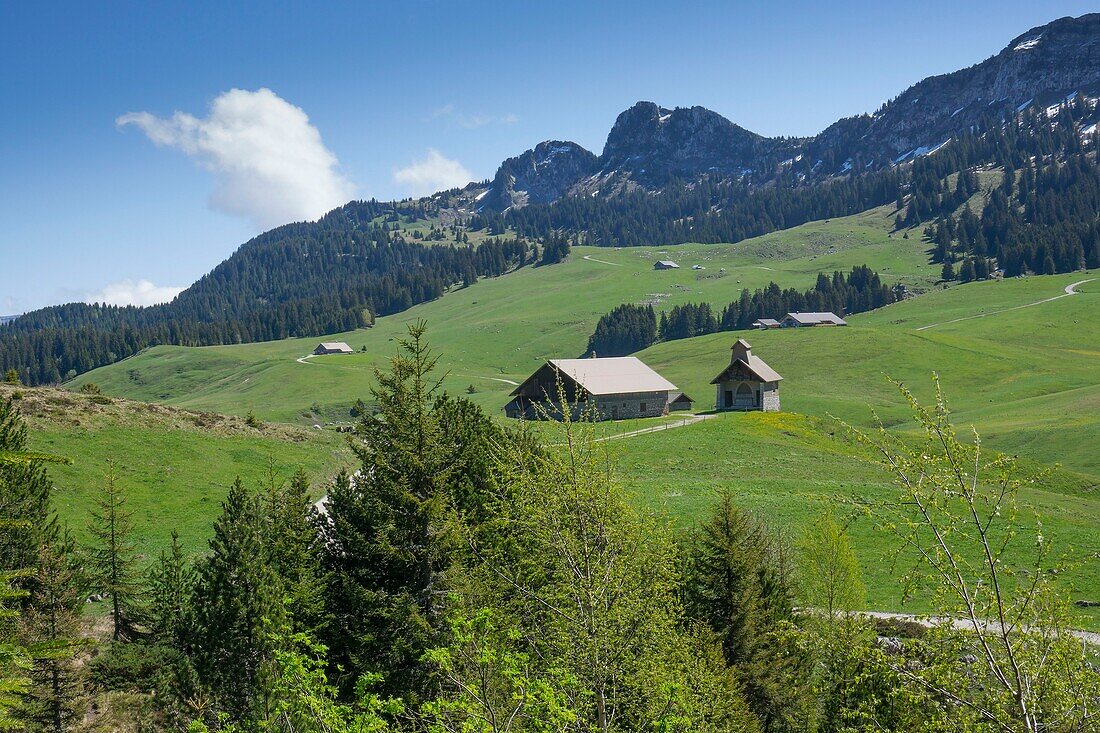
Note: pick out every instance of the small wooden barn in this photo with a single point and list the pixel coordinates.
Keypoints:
(665, 265)
(332, 347)
(747, 383)
(616, 387)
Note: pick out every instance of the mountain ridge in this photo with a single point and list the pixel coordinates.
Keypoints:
(648, 145)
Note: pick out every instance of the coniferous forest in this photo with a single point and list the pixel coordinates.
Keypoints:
(629, 328)
(336, 274)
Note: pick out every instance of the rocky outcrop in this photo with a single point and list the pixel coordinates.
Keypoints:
(654, 144)
(542, 174)
(650, 145)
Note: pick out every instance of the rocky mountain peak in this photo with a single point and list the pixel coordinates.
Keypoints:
(540, 175)
(653, 143)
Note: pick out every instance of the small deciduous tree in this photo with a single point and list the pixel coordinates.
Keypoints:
(988, 566)
(828, 571)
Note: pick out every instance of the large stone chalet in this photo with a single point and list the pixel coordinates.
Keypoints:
(617, 388)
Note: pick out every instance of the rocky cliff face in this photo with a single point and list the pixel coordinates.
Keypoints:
(540, 175)
(650, 145)
(1042, 67)
(654, 144)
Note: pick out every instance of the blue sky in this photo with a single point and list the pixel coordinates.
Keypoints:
(399, 97)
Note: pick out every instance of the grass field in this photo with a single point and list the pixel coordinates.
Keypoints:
(503, 328)
(1026, 376)
(175, 466)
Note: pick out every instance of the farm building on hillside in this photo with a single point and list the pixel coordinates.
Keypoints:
(802, 320)
(332, 347)
(747, 383)
(616, 388)
(678, 401)
(665, 265)
(766, 323)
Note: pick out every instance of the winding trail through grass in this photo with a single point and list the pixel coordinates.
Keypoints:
(1070, 289)
(590, 258)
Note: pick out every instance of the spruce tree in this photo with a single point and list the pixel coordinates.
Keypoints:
(171, 583)
(738, 583)
(51, 630)
(237, 599)
(391, 533)
(293, 549)
(111, 558)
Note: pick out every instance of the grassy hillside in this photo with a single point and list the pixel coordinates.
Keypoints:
(174, 465)
(501, 329)
(790, 467)
(1027, 376)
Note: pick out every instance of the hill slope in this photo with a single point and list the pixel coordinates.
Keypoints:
(501, 328)
(175, 466)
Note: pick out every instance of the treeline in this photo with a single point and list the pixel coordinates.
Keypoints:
(1043, 217)
(333, 275)
(629, 328)
(468, 578)
(709, 211)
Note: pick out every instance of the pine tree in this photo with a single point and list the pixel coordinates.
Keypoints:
(738, 583)
(392, 530)
(111, 560)
(51, 628)
(948, 271)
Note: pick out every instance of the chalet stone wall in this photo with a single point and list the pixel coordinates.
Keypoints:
(765, 396)
(632, 405)
(610, 407)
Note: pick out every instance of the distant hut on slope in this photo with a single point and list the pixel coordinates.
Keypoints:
(332, 347)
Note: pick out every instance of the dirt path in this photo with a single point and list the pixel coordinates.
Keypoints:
(590, 258)
(1091, 637)
(304, 359)
(686, 420)
(493, 379)
(1069, 290)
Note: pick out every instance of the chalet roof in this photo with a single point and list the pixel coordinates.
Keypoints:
(334, 346)
(678, 395)
(812, 319)
(766, 322)
(609, 375)
(666, 263)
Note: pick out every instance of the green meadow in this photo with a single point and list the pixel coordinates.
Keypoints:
(175, 466)
(1024, 373)
(501, 329)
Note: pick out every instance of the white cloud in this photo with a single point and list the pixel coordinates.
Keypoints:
(128, 292)
(268, 161)
(470, 121)
(432, 173)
